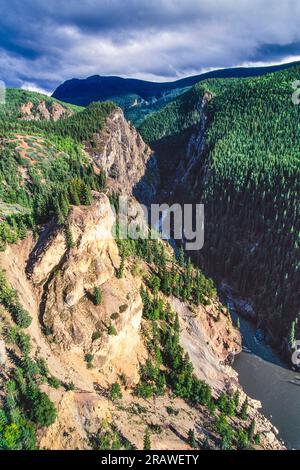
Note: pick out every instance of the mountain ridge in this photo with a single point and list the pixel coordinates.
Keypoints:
(147, 89)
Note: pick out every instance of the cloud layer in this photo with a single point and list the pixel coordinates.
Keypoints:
(44, 43)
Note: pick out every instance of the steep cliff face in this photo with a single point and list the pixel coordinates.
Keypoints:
(208, 336)
(128, 162)
(65, 279)
(183, 158)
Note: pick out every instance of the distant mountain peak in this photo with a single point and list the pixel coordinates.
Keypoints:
(151, 96)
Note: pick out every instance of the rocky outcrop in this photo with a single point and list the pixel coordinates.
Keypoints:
(242, 307)
(192, 166)
(44, 111)
(65, 279)
(209, 337)
(91, 232)
(183, 159)
(80, 415)
(128, 162)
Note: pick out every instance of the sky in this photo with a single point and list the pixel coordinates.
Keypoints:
(45, 42)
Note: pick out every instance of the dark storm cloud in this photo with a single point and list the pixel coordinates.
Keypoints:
(46, 42)
(92, 15)
(276, 51)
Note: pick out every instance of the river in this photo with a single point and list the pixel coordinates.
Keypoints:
(264, 377)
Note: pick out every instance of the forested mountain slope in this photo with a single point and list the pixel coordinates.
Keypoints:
(27, 105)
(104, 343)
(235, 146)
(43, 168)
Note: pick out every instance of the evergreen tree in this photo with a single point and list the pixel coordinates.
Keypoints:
(191, 439)
(236, 398)
(120, 271)
(251, 430)
(205, 445)
(86, 195)
(147, 440)
(115, 391)
(181, 257)
(69, 237)
(97, 296)
(244, 410)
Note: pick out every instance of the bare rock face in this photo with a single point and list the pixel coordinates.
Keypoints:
(128, 162)
(80, 414)
(26, 110)
(57, 111)
(54, 112)
(52, 254)
(66, 279)
(209, 338)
